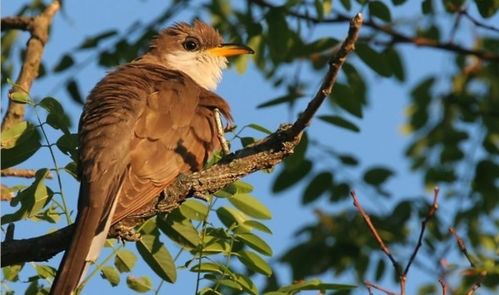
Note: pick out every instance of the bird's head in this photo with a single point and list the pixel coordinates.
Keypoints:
(197, 50)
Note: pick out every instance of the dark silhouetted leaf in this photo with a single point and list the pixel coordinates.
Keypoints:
(395, 62)
(317, 186)
(65, 62)
(340, 122)
(487, 8)
(380, 10)
(373, 59)
(377, 175)
(288, 98)
(290, 177)
(92, 42)
(74, 91)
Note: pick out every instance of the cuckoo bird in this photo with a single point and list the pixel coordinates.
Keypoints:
(142, 125)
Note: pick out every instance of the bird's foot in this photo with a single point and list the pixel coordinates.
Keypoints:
(125, 233)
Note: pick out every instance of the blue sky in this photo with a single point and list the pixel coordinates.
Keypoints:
(380, 141)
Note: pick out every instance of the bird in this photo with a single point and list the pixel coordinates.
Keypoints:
(142, 125)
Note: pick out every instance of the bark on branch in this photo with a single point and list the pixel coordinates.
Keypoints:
(261, 155)
(39, 28)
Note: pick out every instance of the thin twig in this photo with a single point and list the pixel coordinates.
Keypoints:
(429, 215)
(374, 232)
(370, 285)
(478, 23)
(23, 173)
(39, 29)
(461, 246)
(445, 286)
(397, 37)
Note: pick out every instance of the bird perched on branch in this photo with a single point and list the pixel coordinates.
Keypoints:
(143, 125)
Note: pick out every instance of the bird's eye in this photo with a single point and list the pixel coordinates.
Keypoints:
(191, 44)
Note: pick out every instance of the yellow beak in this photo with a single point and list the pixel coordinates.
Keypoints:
(230, 49)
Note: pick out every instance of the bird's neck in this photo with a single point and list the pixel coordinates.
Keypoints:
(205, 71)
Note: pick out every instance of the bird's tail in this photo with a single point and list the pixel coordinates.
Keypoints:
(88, 239)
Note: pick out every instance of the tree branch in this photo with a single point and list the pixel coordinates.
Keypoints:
(39, 28)
(261, 155)
(23, 173)
(23, 23)
(397, 37)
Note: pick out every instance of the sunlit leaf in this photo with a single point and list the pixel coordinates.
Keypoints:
(250, 206)
(254, 262)
(32, 199)
(179, 229)
(111, 275)
(194, 209)
(139, 284)
(24, 147)
(20, 97)
(258, 226)
(11, 272)
(255, 242)
(208, 267)
(45, 271)
(125, 260)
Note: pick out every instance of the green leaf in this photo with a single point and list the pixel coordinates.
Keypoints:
(254, 262)
(68, 144)
(74, 91)
(344, 96)
(347, 4)
(246, 283)
(349, 160)
(32, 199)
(208, 267)
(255, 242)
(56, 117)
(278, 33)
(194, 209)
(179, 229)
(250, 206)
(11, 273)
(10, 136)
(487, 8)
(65, 62)
(289, 177)
(427, 6)
(20, 97)
(139, 284)
(125, 260)
(259, 128)
(314, 285)
(317, 186)
(377, 175)
(380, 10)
(373, 59)
(340, 122)
(393, 58)
(25, 146)
(257, 225)
(91, 42)
(231, 216)
(45, 271)
(111, 275)
(237, 187)
(154, 252)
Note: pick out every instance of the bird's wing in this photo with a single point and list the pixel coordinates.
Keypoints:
(175, 133)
